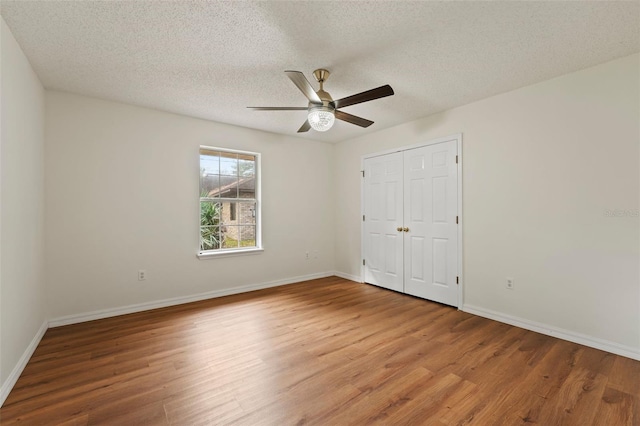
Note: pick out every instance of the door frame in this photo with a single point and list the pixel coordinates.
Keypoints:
(455, 137)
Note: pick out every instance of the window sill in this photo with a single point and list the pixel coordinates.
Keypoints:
(228, 253)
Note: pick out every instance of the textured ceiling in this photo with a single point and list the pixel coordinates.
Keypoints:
(213, 59)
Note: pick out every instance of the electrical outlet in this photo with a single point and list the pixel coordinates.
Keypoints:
(306, 255)
(509, 284)
(315, 254)
(142, 275)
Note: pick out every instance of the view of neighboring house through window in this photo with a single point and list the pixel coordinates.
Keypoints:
(229, 203)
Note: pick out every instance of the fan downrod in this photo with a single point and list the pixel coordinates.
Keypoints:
(321, 76)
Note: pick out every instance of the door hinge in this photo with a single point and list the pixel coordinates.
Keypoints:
(457, 280)
(456, 220)
(363, 262)
(362, 171)
(363, 218)
(456, 159)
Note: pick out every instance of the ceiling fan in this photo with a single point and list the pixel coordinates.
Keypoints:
(322, 109)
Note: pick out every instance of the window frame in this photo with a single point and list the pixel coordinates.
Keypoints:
(225, 252)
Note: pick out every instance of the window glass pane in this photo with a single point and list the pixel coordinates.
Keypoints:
(209, 225)
(228, 187)
(229, 164)
(209, 213)
(210, 186)
(246, 165)
(248, 236)
(230, 236)
(247, 187)
(228, 213)
(209, 237)
(247, 213)
(209, 164)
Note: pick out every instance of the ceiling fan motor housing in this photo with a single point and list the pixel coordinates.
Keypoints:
(327, 101)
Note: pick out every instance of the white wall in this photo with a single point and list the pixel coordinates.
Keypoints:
(22, 292)
(541, 166)
(122, 195)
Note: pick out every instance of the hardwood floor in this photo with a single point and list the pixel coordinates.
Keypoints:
(325, 352)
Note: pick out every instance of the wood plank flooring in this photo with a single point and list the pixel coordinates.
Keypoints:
(322, 352)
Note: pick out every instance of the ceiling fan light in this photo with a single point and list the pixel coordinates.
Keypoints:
(321, 119)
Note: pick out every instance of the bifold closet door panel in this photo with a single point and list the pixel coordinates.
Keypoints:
(430, 209)
(383, 203)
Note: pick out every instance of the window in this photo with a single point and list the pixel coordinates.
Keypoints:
(229, 201)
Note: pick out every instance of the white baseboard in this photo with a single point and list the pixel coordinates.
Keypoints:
(139, 307)
(347, 276)
(22, 363)
(560, 333)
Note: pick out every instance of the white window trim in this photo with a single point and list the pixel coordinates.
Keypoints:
(212, 254)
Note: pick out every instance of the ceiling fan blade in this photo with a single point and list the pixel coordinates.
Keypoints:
(279, 108)
(305, 127)
(369, 95)
(305, 87)
(358, 121)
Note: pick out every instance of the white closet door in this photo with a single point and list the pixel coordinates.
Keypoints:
(430, 209)
(383, 216)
